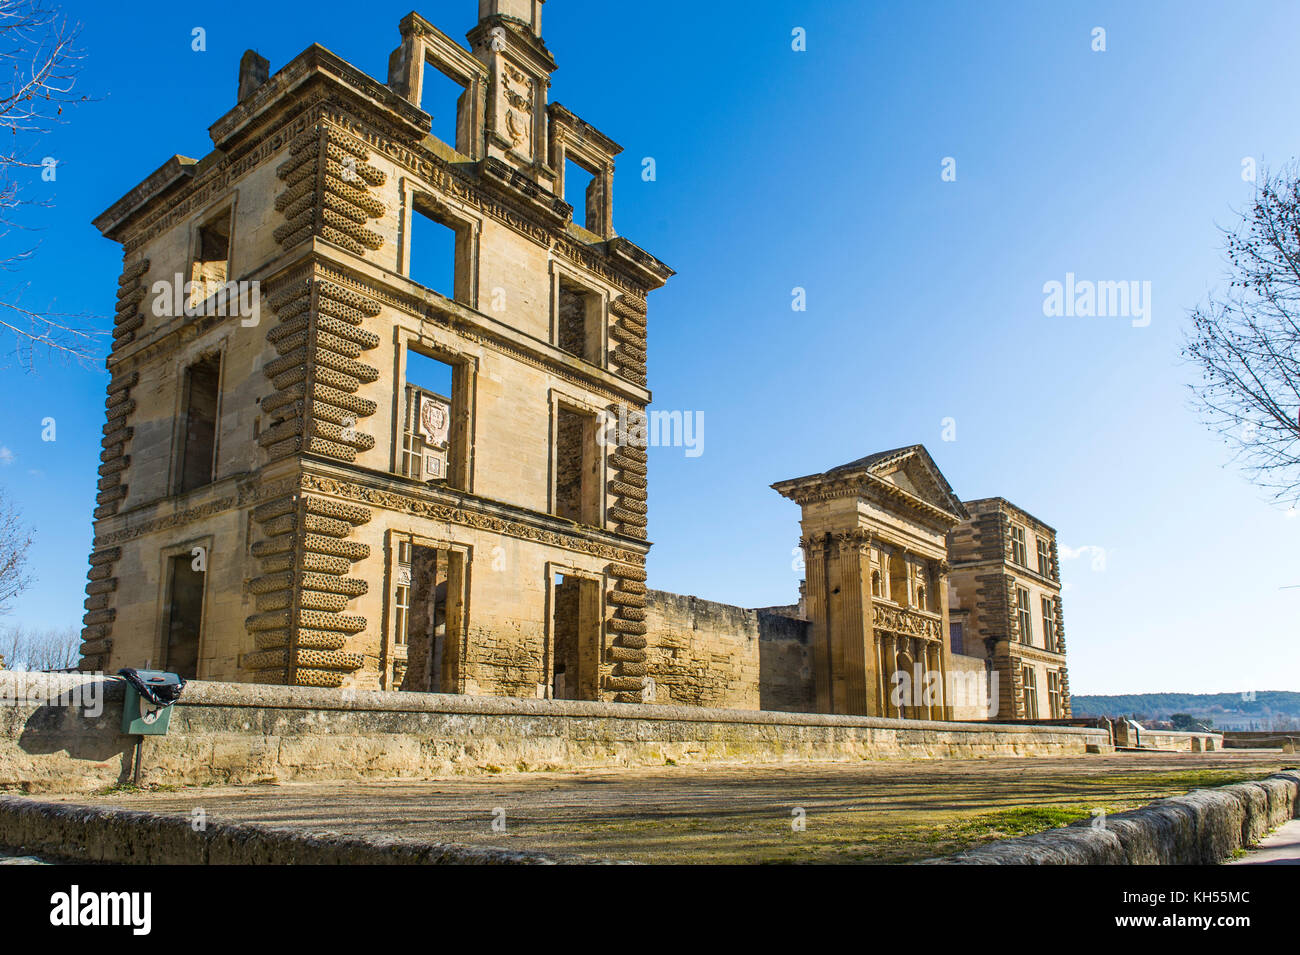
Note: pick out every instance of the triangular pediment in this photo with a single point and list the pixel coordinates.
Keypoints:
(909, 469)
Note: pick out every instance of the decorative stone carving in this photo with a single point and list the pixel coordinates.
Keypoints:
(299, 628)
(906, 622)
(326, 180)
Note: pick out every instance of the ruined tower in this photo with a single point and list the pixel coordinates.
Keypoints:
(321, 467)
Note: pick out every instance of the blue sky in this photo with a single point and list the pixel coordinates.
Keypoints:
(821, 169)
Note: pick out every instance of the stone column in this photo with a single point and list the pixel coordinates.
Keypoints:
(818, 602)
(853, 629)
(940, 583)
(882, 700)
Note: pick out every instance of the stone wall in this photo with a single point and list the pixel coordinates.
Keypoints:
(703, 653)
(1205, 827)
(99, 834)
(1171, 740)
(62, 733)
(968, 680)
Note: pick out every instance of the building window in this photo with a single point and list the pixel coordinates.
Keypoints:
(578, 457)
(1025, 616)
(433, 619)
(898, 578)
(401, 604)
(1044, 557)
(956, 638)
(575, 639)
(210, 269)
(199, 440)
(431, 437)
(184, 616)
(1054, 694)
(1018, 546)
(1029, 691)
(1049, 623)
(442, 97)
(440, 251)
(875, 583)
(584, 190)
(578, 320)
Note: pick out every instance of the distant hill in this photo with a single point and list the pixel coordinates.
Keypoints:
(1264, 709)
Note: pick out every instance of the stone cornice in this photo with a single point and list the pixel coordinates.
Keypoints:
(1038, 527)
(1009, 569)
(138, 217)
(407, 496)
(1025, 651)
(820, 487)
(314, 63)
(162, 179)
(376, 489)
(521, 31)
(569, 121)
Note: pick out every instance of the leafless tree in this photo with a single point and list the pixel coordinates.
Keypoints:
(15, 540)
(1246, 339)
(39, 63)
(24, 649)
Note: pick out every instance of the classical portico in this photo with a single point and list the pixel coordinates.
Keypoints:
(874, 539)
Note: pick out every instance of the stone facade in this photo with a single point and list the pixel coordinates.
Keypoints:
(874, 539)
(285, 499)
(1005, 607)
(263, 495)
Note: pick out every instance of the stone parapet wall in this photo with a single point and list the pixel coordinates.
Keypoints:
(61, 733)
(98, 834)
(1205, 827)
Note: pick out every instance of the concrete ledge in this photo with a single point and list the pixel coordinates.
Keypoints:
(1182, 741)
(61, 733)
(1205, 827)
(1286, 741)
(98, 834)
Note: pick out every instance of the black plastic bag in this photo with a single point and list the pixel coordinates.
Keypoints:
(160, 689)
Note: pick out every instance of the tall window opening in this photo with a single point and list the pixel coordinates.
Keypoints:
(211, 267)
(1029, 690)
(1049, 623)
(199, 439)
(898, 579)
(577, 466)
(442, 98)
(1044, 557)
(1054, 694)
(432, 426)
(440, 251)
(1018, 546)
(184, 616)
(432, 621)
(582, 191)
(578, 322)
(1025, 615)
(575, 639)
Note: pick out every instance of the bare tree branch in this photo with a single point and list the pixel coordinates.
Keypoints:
(39, 650)
(1246, 340)
(15, 540)
(39, 64)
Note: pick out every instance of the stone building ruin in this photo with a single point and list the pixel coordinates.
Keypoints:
(351, 434)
